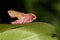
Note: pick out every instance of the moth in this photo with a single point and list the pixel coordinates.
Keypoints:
(22, 17)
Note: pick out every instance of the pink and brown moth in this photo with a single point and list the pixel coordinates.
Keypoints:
(22, 17)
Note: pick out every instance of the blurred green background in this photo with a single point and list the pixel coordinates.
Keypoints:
(46, 10)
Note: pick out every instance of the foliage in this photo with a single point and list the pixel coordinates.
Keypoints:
(31, 31)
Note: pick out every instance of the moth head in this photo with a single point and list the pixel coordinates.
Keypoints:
(12, 13)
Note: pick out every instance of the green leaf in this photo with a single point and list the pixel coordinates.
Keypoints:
(31, 31)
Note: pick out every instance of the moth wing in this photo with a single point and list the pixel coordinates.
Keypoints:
(13, 13)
